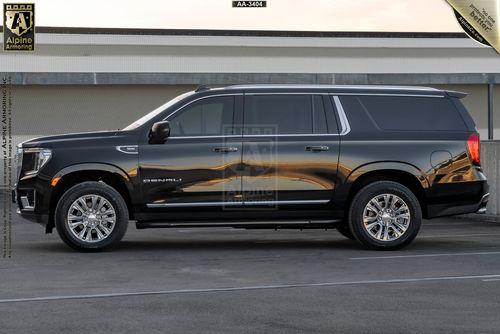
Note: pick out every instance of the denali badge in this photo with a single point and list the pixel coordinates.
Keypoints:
(162, 180)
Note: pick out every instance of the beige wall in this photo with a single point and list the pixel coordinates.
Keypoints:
(44, 110)
(239, 54)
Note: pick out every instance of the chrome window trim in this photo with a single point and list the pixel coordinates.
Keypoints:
(389, 94)
(250, 136)
(198, 99)
(344, 122)
(239, 203)
(294, 135)
(203, 137)
(287, 93)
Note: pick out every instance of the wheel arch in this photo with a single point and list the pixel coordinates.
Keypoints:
(403, 173)
(72, 175)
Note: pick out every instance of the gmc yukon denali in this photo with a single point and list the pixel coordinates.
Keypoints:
(369, 161)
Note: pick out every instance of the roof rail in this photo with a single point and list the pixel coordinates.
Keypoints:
(202, 88)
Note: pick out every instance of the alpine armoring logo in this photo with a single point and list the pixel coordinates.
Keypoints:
(19, 27)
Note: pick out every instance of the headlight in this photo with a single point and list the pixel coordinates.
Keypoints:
(34, 159)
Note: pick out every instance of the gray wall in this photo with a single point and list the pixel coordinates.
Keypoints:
(42, 110)
(490, 153)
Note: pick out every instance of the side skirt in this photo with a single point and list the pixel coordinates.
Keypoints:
(315, 224)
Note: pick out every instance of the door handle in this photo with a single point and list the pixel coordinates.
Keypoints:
(317, 148)
(225, 149)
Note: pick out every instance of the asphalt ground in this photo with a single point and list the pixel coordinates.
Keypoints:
(258, 281)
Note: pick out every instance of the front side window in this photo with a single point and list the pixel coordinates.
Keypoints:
(211, 116)
(285, 114)
(146, 118)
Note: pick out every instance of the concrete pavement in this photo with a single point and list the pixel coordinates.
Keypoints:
(238, 281)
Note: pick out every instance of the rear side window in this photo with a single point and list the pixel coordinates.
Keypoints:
(404, 113)
(285, 114)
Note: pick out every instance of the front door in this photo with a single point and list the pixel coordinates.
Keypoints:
(290, 150)
(198, 163)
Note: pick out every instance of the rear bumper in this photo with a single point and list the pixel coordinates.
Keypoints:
(483, 204)
(473, 202)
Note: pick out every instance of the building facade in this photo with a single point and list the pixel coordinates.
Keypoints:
(86, 79)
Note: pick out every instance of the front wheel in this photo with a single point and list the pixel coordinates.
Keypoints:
(91, 216)
(385, 215)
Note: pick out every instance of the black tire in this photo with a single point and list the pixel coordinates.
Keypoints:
(369, 192)
(94, 188)
(343, 229)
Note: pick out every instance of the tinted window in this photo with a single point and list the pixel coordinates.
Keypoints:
(413, 113)
(285, 114)
(207, 117)
(465, 114)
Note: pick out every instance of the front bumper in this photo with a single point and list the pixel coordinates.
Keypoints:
(26, 202)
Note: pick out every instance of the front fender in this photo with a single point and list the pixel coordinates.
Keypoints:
(97, 167)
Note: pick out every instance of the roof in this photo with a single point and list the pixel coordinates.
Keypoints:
(332, 87)
(381, 89)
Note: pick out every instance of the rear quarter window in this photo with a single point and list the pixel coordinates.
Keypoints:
(405, 113)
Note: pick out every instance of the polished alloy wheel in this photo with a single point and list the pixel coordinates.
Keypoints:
(386, 217)
(91, 218)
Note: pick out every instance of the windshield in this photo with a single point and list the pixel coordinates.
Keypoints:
(146, 118)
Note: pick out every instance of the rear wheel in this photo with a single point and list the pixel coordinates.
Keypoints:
(91, 216)
(385, 215)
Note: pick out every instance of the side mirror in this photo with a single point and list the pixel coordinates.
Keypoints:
(159, 132)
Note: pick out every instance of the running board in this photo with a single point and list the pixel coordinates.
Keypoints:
(314, 224)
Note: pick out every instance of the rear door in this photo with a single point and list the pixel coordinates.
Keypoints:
(290, 149)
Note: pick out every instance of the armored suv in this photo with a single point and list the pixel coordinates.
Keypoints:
(369, 161)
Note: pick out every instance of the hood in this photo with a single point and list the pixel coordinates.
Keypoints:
(50, 141)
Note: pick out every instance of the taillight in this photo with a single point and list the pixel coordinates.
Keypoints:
(474, 147)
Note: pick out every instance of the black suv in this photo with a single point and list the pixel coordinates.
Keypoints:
(370, 161)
